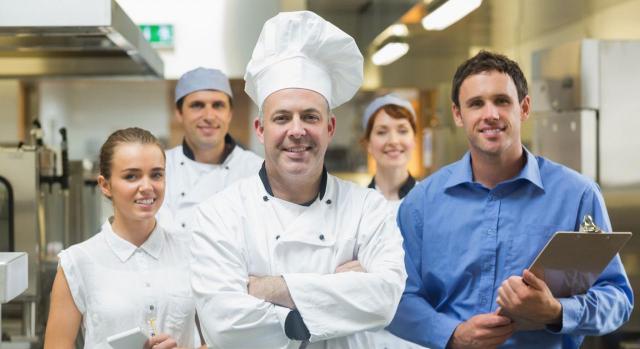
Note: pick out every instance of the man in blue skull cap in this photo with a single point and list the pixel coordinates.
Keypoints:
(208, 159)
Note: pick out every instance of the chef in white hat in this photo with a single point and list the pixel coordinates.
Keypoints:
(208, 159)
(295, 257)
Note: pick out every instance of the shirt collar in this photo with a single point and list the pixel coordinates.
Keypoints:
(267, 186)
(461, 171)
(229, 146)
(531, 170)
(404, 189)
(124, 249)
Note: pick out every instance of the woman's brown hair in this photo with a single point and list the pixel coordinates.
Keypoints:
(123, 136)
(396, 112)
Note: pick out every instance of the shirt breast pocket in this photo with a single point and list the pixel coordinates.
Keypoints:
(525, 246)
(180, 311)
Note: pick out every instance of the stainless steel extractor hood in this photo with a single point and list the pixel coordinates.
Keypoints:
(74, 38)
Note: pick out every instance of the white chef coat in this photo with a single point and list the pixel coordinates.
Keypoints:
(245, 231)
(117, 286)
(383, 339)
(189, 182)
(402, 192)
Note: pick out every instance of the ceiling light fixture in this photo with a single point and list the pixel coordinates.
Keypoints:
(399, 29)
(390, 52)
(448, 13)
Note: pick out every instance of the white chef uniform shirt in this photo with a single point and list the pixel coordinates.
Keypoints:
(114, 285)
(244, 231)
(190, 182)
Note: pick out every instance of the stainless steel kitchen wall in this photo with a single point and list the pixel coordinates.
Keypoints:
(586, 113)
(596, 76)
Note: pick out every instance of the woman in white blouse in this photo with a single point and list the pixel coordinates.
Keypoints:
(132, 273)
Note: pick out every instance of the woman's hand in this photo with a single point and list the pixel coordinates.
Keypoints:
(161, 341)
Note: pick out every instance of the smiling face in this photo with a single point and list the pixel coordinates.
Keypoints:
(136, 182)
(205, 116)
(391, 140)
(296, 130)
(491, 114)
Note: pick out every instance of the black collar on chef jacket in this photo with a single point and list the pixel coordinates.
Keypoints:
(229, 145)
(267, 186)
(404, 189)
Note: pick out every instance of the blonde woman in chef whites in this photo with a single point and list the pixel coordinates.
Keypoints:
(390, 129)
(132, 273)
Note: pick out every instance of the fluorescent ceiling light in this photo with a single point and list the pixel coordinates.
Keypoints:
(448, 13)
(399, 30)
(390, 52)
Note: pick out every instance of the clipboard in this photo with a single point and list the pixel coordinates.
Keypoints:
(571, 262)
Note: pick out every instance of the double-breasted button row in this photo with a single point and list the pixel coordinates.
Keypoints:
(321, 237)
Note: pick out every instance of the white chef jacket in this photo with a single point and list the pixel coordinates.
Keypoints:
(383, 339)
(239, 232)
(117, 286)
(188, 182)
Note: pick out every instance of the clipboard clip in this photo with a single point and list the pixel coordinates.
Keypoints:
(588, 226)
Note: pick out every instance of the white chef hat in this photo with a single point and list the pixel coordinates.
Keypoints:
(302, 50)
(380, 102)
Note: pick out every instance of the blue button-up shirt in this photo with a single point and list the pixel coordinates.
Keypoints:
(462, 240)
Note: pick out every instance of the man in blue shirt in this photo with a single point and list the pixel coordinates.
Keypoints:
(473, 227)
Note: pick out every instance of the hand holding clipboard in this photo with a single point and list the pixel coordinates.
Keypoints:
(571, 262)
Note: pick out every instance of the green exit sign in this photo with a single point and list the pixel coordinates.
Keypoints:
(159, 35)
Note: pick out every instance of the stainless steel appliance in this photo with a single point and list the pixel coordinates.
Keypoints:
(42, 210)
(586, 112)
(13, 276)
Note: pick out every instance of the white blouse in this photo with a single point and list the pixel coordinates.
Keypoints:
(118, 286)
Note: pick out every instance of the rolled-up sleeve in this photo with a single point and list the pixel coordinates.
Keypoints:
(416, 320)
(609, 302)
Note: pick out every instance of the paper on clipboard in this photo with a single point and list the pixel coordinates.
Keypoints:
(571, 262)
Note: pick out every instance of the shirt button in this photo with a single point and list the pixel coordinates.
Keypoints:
(183, 225)
(182, 193)
(490, 231)
(321, 237)
(277, 237)
(491, 197)
(265, 198)
(328, 201)
(226, 167)
(181, 163)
